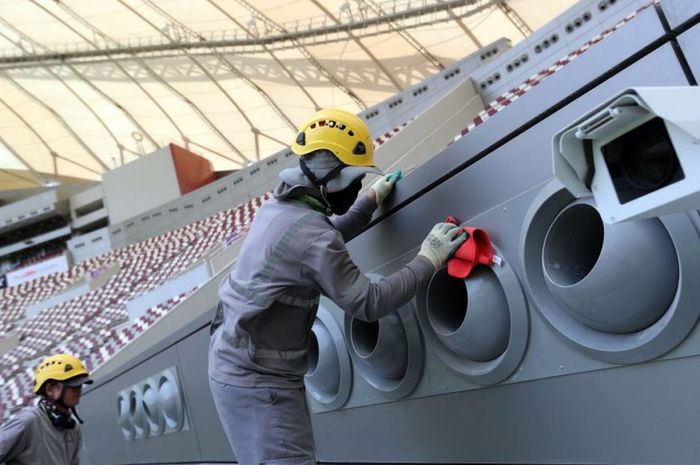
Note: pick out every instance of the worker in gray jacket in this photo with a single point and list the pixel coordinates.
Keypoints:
(295, 251)
(47, 433)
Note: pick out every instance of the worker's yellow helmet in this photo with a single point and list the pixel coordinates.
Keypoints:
(340, 132)
(61, 367)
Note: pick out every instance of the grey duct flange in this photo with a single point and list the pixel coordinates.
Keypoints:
(123, 415)
(653, 341)
(481, 360)
(329, 379)
(172, 405)
(152, 407)
(394, 338)
(137, 414)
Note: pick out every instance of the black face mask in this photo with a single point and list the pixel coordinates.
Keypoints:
(341, 201)
(59, 418)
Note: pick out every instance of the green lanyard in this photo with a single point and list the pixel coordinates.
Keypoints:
(315, 204)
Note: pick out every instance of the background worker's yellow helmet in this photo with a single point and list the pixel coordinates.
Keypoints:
(340, 132)
(62, 367)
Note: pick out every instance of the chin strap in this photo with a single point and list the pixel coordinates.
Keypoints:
(62, 403)
(75, 414)
(320, 183)
(323, 205)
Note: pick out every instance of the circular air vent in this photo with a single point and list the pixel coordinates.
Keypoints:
(329, 377)
(381, 346)
(170, 401)
(137, 415)
(151, 407)
(387, 353)
(469, 316)
(624, 292)
(124, 416)
(477, 326)
(618, 278)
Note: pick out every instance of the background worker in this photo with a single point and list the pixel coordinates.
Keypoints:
(294, 252)
(48, 433)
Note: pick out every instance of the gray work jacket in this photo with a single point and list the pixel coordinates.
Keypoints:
(291, 255)
(29, 438)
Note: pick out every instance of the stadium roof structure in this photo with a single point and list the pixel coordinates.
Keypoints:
(86, 86)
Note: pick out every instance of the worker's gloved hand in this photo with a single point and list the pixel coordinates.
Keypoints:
(384, 185)
(441, 243)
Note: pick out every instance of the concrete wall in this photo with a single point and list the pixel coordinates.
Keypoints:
(90, 244)
(88, 207)
(140, 185)
(26, 210)
(8, 342)
(35, 240)
(431, 131)
(71, 293)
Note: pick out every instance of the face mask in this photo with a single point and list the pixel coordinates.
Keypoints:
(341, 201)
(60, 419)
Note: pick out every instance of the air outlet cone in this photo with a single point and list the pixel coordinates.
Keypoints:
(470, 317)
(615, 278)
(323, 375)
(381, 346)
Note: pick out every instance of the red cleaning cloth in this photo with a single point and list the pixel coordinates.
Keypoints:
(475, 250)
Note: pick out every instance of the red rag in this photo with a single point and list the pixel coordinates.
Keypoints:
(477, 249)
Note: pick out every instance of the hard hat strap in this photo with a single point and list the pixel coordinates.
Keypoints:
(62, 398)
(75, 414)
(320, 183)
(62, 403)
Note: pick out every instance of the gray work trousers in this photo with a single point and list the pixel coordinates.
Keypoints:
(265, 426)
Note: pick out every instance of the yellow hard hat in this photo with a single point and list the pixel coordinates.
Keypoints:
(61, 367)
(340, 132)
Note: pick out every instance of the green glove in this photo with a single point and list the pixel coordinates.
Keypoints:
(442, 241)
(396, 176)
(384, 185)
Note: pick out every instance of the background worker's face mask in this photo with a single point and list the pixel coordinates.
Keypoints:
(60, 417)
(341, 201)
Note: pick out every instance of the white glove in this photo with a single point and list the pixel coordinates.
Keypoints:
(384, 185)
(442, 241)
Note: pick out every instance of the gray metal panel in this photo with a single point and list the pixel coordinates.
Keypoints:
(192, 355)
(680, 11)
(689, 41)
(633, 415)
(104, 442)
(519, 422)
(597, 61)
